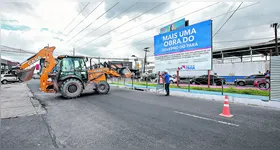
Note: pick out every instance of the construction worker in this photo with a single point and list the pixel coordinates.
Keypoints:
(167, 82)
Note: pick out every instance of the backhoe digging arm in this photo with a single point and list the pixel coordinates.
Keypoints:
(50, 62)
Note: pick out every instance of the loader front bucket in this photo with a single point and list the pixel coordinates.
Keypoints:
(26, 75)
(125, 72)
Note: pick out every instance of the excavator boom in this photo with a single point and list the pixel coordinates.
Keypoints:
(25, 74)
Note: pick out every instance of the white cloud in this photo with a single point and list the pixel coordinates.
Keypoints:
(55, 17)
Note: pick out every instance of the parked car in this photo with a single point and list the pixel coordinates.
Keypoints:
(6, 78)
(204, 80)
(173, 79)
(249, 80)
(262, 83)
(36, 76)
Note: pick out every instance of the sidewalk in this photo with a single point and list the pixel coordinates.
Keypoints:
(206, 92)
(217, 96)
(16, 100)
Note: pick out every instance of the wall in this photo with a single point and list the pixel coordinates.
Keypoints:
(240, 69)
(231, 71)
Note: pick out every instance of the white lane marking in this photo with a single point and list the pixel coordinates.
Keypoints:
(222, 122)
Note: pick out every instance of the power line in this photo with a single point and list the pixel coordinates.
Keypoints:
(125, 45)
(191, 13)
(229, 31)
(155, 18)
(8, 51)
(160, 24)
(151, 19)
(15, 50)
(171, 20)
(232, 5)
(94, 21)
(86, 17)
(124, 23)
(74, 18)
(106, 22)
(188, 14)
(244, 40)
(238, 9)
(228, 19)
(183, 16)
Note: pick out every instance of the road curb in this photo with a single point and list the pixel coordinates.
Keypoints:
(232, 99)
(36, 104)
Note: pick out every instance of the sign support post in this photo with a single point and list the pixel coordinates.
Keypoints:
(178, 79)
(209, 78)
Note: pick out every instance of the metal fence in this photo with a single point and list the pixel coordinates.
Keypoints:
(218, 86)
(275, 78)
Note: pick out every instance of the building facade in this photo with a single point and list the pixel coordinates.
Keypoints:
(7, 65)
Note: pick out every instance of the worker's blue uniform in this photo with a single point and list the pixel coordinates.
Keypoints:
(167, 83)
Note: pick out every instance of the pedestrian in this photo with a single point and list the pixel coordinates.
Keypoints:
(267, 74)
(167, 82)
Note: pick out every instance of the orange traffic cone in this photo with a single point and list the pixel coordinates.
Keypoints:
(226, 110)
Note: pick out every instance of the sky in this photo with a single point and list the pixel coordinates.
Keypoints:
(122, 29)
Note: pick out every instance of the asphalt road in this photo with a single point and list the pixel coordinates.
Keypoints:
(135, 119)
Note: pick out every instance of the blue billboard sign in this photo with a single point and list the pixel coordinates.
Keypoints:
(188, 48)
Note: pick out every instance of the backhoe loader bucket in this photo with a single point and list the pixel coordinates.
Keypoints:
(26, 75)
(125, 72)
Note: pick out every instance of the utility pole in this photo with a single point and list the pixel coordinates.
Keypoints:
(275, 26)
(0, 48)
(145, 59)
(73, 51)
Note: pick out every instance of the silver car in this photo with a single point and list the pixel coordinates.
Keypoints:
(36, 76)
(5, 78)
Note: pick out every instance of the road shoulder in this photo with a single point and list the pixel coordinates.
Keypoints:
(17, 100)
(22, 119)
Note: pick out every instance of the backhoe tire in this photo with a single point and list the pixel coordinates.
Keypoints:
(103, 87)
(71, 88)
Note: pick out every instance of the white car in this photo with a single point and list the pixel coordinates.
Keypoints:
(36, 76)
(172, 79)
(5, 78)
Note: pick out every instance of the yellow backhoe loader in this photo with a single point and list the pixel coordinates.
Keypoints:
(69, 75)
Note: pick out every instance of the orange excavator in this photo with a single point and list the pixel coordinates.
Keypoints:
(69, 75)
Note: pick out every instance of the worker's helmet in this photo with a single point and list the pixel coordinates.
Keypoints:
(166, 71)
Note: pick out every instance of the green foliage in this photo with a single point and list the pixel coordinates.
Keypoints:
(226, 90)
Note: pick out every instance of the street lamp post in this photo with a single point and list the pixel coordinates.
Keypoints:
(142, 62)
(145, 59)
(275, 26)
